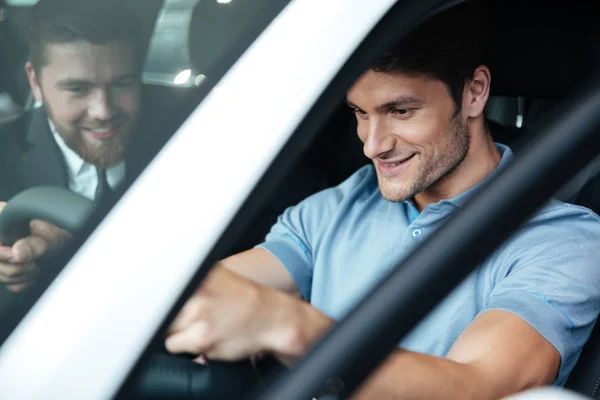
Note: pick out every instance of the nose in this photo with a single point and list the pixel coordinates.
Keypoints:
(377, 139)
(101, 106)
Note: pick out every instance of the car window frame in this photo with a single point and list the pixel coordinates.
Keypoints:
(69, 355)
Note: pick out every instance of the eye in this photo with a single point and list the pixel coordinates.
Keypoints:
(359, 113)
(78, 90)
(402, 112)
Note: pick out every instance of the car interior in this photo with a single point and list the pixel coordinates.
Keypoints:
(540, 55)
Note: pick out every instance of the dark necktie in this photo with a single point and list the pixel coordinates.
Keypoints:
(103, 188)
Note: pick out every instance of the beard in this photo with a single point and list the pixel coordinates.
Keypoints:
(100, 153)
(455, 142)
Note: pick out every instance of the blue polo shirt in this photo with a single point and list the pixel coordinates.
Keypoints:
(338, 243)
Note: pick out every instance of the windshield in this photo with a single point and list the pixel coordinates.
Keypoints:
(89, 93)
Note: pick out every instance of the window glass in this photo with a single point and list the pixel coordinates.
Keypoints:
(89, 92)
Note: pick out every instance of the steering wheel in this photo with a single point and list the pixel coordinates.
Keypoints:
(165, 375)
(56, 205)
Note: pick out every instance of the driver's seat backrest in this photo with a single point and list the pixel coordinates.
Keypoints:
(585, 377)
(589, 196)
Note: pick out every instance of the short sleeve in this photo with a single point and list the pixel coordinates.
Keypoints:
(295, 237)
(553, 283)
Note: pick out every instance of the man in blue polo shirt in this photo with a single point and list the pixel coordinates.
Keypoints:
(517, 322)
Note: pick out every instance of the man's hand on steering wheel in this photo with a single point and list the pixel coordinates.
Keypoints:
(18, 266)
(231, 318)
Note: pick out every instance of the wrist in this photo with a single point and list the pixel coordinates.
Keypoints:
(295, 326)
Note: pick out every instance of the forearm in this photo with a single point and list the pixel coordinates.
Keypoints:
(295, 327)
(405, 374)
(409, 375)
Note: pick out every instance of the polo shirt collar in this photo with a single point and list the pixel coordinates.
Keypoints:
(458, 201)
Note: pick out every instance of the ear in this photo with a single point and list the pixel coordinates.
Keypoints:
(477, 92)
(34, 82)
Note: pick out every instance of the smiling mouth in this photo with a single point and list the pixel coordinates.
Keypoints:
(390, 169)
(395, 164)
(101, 133)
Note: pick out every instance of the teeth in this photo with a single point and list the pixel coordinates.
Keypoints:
(103, 130)
(392, 165)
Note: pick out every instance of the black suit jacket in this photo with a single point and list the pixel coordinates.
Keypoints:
(30, 156)
(41, 162)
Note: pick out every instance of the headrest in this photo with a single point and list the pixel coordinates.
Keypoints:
(541, 49)
(13, 54)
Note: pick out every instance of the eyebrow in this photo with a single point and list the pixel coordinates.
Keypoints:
(400, 102)
(83, 82)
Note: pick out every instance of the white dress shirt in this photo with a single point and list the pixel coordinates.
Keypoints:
(83, 178)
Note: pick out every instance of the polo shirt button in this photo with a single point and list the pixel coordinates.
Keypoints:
(417, 233)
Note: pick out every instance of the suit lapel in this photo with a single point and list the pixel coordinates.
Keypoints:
(42, 163)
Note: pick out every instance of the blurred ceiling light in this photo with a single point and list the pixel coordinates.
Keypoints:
(199, 79)
(20, 3)
(182, 77)
(223, 1)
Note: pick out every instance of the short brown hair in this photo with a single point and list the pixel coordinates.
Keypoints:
(63, 21)
(448, 47)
